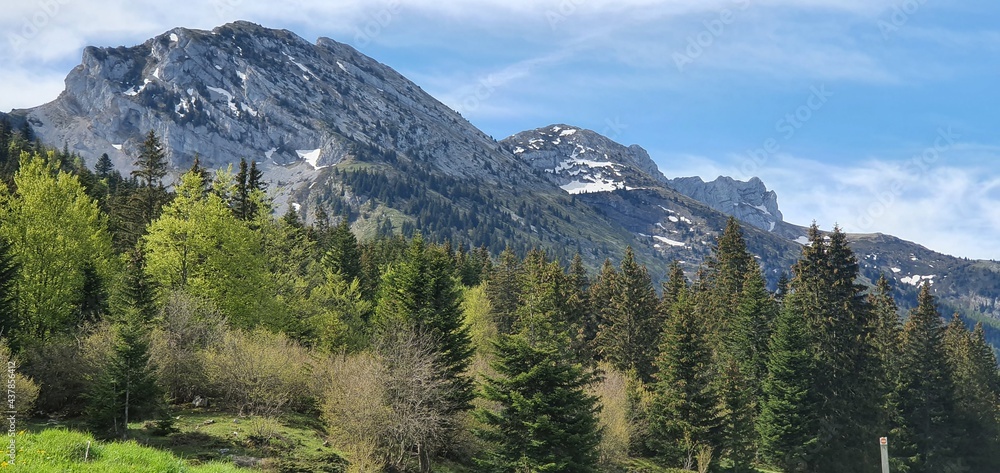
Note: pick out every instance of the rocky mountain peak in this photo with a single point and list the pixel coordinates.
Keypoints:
(245, 91)
(748, 201)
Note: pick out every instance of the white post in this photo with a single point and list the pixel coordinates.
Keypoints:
(884, 443)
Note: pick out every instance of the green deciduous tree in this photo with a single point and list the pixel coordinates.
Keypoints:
(55, 231)
(198, 245)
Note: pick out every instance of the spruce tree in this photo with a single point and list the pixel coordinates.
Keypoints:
(788, 421)
(151, 164)
(828, 295)
(727, 270)
(544, 418)
(125, 389)
(885, 337)
(743, 360)
(685, 415)
(422, 293)
(343, 255)
(628, 337)
(104, 166)
(926, 391)
(977, 392)
(503, 288)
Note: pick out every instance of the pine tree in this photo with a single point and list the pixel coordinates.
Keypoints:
(151, 164)
(685, 414)
(421, 292)
(885, 337)
(828, 295)
(628, 337)
(545, 420)
(926, 391)
(787, 424)
(600, 295)
(743, 360)
(92, 302)
(578, 309)
(977, 393)
(728, 269)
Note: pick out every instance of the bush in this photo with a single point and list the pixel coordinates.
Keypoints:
(614, 417)
(60, 370)
(25, 389)
(189, 326)
(260, 373)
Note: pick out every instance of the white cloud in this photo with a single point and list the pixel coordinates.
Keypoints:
(947, 208)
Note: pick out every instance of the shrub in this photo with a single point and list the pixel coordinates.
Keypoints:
(189, 326)
(260, 373)
(25, 389)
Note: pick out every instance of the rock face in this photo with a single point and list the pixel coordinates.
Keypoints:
(748, 201)
(245, 91)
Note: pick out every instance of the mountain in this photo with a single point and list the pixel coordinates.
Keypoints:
(334, 129)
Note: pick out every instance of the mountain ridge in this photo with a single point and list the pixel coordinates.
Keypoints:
(334, 129)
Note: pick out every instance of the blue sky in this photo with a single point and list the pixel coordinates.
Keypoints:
(877, 115)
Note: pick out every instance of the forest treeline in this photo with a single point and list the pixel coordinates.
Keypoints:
(121, 297)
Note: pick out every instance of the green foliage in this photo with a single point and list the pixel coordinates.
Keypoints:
(55, 231)
(545, 420)
(421, 292)
(343, 256)
(260, 373)
(125, 388)
(8, 283)
(685, 414)
(787, 424)
(199, 246)
(628, 335)
(928, 402)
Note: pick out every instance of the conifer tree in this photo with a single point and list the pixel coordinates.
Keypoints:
(503, 288)
(838, 320)
(545, 419)
(422, 293)
(926, 391)
(977, 392)
(343, 254)
(125, 389)
(629, 336)
(578, 308)
(151, 164)
(8, 298)
(727, 270)
(600, 294)
(885, 337)
(685, 415)
(104, 166)
(743, 360)
(787, 424)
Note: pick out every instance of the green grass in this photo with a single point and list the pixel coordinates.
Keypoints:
(206, 441)
(61, 450)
